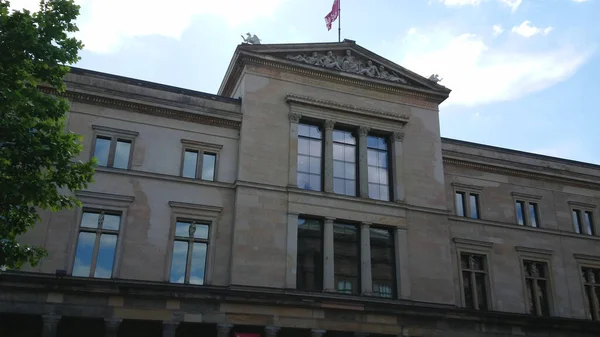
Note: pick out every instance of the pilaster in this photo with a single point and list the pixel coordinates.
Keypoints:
(398, 166)
(328, 267)
(401, 253)
(293, 149)
(291, 251)
(363, 168)
(366, 282)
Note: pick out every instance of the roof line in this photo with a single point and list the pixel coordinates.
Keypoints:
(521, 153)
(154, 85)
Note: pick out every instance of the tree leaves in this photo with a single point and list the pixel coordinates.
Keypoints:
(36, 151)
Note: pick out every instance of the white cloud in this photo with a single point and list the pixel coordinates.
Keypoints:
(461, 2)
(580, 0)
(497, 30)
(527, 30)
(478, 73)
(513, 4)
(104, 24)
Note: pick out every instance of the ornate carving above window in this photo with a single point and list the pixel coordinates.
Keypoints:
(350, 64)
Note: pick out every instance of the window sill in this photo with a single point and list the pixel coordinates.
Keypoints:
(161, 176)
(294, 189)
(522, 227)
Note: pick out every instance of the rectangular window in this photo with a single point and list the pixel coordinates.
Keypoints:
(527, 213)
(520, 208)
(591, 283)
(536, 283)
(309, 275)
(377, 160)
(310, 148)
(460, 204)
(383, 265)
(474, 205)
(467, 204)
(344, 163)
(112, 151)
(96, 244)
(533, 214)
(190, 245)
(474, 277)
(583, 221)
(199, 164)
(346, 259)
(208, 166)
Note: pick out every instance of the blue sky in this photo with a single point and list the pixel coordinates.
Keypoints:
(523, 72)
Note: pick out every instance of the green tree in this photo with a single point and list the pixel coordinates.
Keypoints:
(37, 169)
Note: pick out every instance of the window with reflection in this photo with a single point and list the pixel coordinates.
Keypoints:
(310, 148)
(96, 244)
(190, 246)
(536, 283)
(309, 272)
(583, 221)
(383, 264)
(377, 160)
(198, 164)
(527, 213)
(344, 163)
(112, 151)
(591, 283)
(346, 259)
(474, 281)
(467, 204)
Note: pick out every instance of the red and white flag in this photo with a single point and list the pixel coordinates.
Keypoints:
(333, 15)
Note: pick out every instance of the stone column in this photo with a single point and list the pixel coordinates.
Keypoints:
(169, 328)
(401, 254)
(317, 332)
(328, 157)
(223, 329)
(50, 325)
(111, 326)
(291, 251)
(398, 166)
(363, 168)
(271, 331)
(366, 282)
(328, 267)
(293, 150)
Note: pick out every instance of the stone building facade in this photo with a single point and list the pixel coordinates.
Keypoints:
(313, 196)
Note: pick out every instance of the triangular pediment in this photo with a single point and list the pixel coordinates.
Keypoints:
(345, 59)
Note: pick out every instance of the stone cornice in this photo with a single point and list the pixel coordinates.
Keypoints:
(145, 108)
(423, 99)
(306, 100)
(538, 173)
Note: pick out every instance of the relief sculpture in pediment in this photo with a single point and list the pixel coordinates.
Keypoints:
(348, 63)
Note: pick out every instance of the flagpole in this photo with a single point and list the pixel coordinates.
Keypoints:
(340, 21)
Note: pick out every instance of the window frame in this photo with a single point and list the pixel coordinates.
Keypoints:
(114, 135)
(482, 248)
(386, 136)
(191, 241)
(359, 238)
(538, 256)
(201, 148)
(527, 199)
(590, 262)
(467, 191)
(109, 203)
(583, 208)
(202, 214)
(342, 128)
(320, 124)
(391, 231)
(322, 238)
